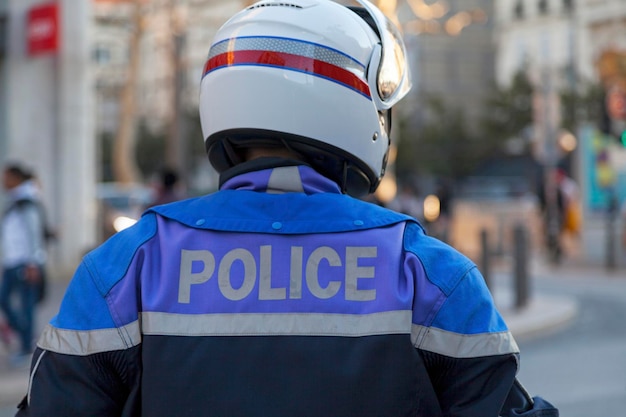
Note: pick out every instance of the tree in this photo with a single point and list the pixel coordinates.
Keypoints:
(150, 149)
(152, 146)
(585, 104)
(124, 163)
(442, 147)
(508, 112)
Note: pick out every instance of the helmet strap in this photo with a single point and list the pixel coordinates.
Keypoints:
(230, 152)
(344, 177)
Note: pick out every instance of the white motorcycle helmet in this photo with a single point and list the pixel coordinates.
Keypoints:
(314, 76)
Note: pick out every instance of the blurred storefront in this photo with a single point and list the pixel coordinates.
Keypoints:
(47, 114)
(563, 46)
(63, 64)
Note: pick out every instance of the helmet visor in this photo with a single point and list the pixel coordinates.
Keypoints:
(393, 80)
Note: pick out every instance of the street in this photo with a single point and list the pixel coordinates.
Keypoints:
(581, 369)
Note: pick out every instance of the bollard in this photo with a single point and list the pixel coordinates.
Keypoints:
(520, 252)
(611, 217)
(485, 258)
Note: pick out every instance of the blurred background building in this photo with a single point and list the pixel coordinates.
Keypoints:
(574, 53)
(105, 91)
(46, 117)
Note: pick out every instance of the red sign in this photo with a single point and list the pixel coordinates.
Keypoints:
(42, 29)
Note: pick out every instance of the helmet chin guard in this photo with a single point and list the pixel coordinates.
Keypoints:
(311, 75)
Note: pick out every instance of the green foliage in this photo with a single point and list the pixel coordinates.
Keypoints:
(106, 156)
(508, 110)
(583, 105)
(193, 134)
(151, 146)
(407, 147)
(443, 147)
(150, 150)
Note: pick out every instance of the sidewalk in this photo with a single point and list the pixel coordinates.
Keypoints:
(14, 382)
(544, 313)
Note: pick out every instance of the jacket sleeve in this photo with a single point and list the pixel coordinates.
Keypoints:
(85, 364)
(88, 358)
(470, 355)
(471, 387)
(99, 385)
(519, 403)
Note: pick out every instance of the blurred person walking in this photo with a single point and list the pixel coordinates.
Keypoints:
(409, 202)
(570, 207)
(442, 224)
(563, 215)
(569, 202)
(168, 188)
(24, 255)
(282, 294)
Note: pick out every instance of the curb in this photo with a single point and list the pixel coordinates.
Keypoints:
(543, 315)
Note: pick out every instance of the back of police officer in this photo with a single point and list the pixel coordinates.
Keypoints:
(281, 294)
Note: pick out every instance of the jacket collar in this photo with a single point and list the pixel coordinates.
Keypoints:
(276, 176)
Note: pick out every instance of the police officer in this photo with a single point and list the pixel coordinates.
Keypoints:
(281, 294)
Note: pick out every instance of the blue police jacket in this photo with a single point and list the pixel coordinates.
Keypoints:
(275, 296)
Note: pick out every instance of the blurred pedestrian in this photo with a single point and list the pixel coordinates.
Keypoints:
(168, 188)
(441, 226)
(622, 216)
(24, 255)
(281, 294)
(407, 201)
(569, 203)
(563, 213)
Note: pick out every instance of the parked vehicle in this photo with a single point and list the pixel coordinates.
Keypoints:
(120, 206)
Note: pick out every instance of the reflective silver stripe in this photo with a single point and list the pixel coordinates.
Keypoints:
(82, 342)
(459, 345)
(285, 179)
(32, 375)
(304, 324)
(77, 342)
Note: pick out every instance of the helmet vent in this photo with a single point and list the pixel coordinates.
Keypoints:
(273, 4)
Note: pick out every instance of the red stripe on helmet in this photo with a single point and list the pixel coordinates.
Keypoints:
(291, 62)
